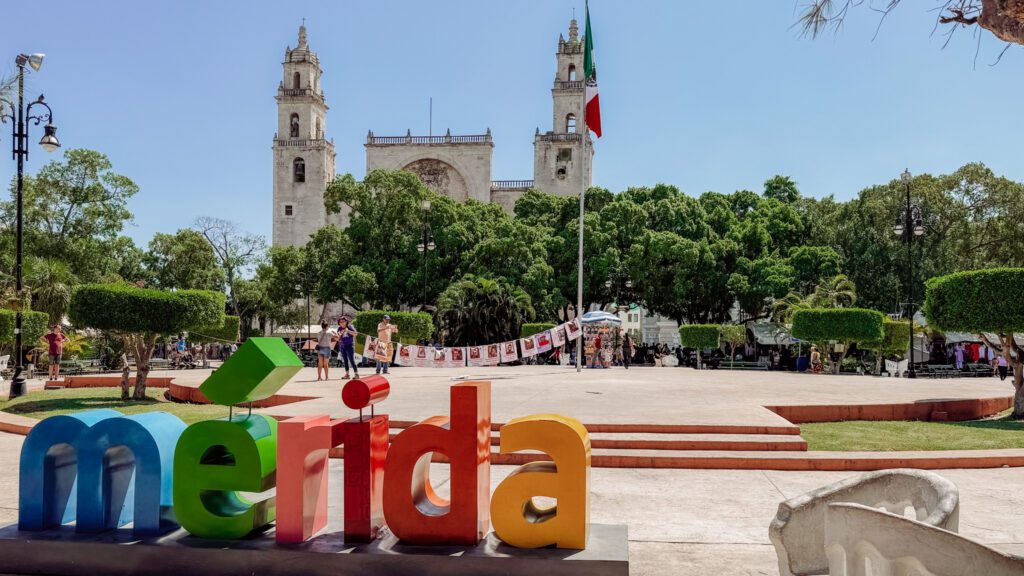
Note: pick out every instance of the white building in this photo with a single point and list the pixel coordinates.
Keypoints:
(458, 166)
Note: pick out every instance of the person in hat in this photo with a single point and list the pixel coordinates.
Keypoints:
(384, 331)
(347, 345)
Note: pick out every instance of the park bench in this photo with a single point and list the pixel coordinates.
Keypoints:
(71, 367)
(980, 369)
(158, 363)
(742, 365)
(942, 371)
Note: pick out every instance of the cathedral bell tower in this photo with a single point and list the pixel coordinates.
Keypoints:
(563, 157)
(303, 157)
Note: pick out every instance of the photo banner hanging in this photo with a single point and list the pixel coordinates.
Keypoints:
(475, 355)
(491, 355)
(529, 346)
(558, 336)
(456, 357)
(383, 351)
(573, 329)
(422, 356)
(369, 347)
(440, 357)
(542, 341)
(404, 356)
(508, 351)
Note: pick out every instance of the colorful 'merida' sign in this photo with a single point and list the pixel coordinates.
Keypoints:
(102, 469)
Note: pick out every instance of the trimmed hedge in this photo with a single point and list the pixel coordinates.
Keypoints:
(412, 326)
(700, 336)
(33, 326)
(840, 324)
(976, 301)
(228, 330)
(127, 308)
(896, 340)
(534, 328)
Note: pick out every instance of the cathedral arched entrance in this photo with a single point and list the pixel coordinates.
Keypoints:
(441, 177)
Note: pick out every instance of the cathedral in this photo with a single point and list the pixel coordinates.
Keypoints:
(457, 166)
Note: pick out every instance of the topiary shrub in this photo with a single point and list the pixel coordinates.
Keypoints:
(700, 336)
(534, 328)
(895, 341)
(34, 325)
(843, 325)
(226, 331)
(141, 315)
(983, 302)
(412, 326)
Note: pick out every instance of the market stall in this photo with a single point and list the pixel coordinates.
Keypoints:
(607, 327)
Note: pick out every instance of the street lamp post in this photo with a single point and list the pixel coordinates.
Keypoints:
(908, 226)
(425, 247)
(21, 117)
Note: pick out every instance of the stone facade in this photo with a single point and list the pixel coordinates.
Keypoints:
(303, 157)
(456, 166)
(563, 157)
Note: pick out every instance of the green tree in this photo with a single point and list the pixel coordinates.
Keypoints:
(50, 283)
(811, 265)
(183, 261)
(781, 188)
(836, 292)
(734, 335)
(475, 310)
(235, 250)
(74, 211)
(986, 303)
(140, 315)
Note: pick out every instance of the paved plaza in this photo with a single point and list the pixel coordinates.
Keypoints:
(638, 395)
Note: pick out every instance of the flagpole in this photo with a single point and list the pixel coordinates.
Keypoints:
(583, 192)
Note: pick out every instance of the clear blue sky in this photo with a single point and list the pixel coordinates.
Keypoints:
(704, 95)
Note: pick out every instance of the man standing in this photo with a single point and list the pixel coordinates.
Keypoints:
(55, 339)
(384, 331)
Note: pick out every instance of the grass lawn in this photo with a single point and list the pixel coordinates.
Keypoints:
(885, 436)
(69, 400)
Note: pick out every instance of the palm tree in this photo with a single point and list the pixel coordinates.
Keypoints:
(477, 310)
(836, 292)
(783, 308)
(50, 283)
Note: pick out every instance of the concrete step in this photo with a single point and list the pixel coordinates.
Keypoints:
(640, 441)
(782, 429)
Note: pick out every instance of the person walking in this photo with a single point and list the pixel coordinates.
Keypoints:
(324, 344)
(627, 350)
(347, 345)
(816, 365)
(55, 341)
(384, 331)
(595, 358)
(1003, 366)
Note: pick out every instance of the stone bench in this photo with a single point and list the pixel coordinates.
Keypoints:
(863, 541)
(798, 530)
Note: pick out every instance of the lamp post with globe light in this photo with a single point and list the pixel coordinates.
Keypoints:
(909, 225)
(21, 117)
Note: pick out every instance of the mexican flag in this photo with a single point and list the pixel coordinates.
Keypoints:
(593, 107)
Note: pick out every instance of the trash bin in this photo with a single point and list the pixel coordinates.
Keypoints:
(801, 363)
